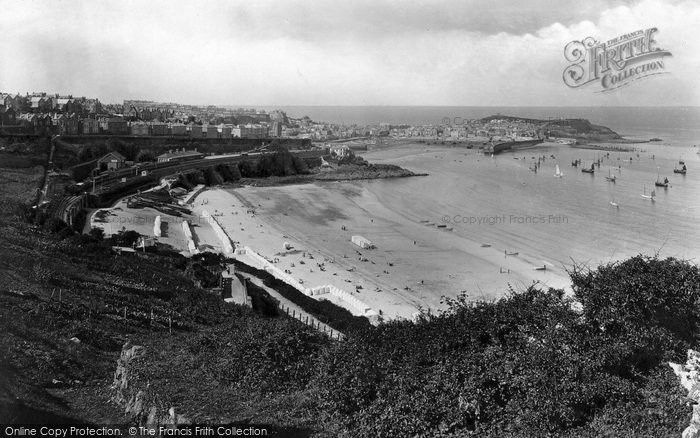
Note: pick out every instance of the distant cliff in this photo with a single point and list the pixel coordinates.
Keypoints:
(580, 129)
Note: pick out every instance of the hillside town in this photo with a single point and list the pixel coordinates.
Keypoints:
(44, 113)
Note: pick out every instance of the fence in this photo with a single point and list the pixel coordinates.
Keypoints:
(311, 322)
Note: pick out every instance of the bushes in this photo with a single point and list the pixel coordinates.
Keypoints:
(260, 300)
(124, 238)
(528, 364)
(642, 294)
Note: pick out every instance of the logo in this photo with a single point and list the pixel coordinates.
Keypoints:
(614, 63)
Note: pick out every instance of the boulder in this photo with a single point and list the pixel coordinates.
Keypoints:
(689, 374)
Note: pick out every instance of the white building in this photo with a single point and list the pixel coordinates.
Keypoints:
(362, 242)
(339, 150)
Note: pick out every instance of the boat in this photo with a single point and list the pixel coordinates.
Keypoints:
(591, 170)
(682, 170)
(486, 245)
(649, 197)
(663, 184)
(510, 253)
(541, 268)
(610, 177)
(681, 162)
(557, 172)
(614, 204)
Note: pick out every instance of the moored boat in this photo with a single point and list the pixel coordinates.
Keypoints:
(587, 170)
(683, 170)
(610, 177)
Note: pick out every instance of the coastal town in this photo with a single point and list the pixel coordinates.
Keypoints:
(46, 113)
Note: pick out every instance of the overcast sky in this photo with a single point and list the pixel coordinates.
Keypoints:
(465, 53)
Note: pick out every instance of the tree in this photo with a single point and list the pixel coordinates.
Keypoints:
(97, 233)
(144, 156)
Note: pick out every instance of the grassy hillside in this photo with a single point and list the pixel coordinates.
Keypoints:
(63, 299)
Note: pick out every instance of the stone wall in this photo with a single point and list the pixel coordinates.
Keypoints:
(220, 233)
(190, 240)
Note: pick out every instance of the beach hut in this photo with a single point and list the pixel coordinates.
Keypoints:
(362, 242)
(156, 227)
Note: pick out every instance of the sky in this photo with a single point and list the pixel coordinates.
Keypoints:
(360, 52)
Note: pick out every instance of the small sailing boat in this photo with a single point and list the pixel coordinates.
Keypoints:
(558, 173)
(650, 197)
(682, 170)
(591, 170)
(610, 177)
(658, 183)
(614, 204)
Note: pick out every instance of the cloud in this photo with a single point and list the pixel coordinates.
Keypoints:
(477, 52)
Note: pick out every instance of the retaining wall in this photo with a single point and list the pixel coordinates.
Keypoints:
(220, 233)
(191, 195)
(345, 297)
(190, 240)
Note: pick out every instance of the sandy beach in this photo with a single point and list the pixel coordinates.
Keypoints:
(142, 220)
(412, 266)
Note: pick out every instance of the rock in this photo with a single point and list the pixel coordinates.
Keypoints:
(137, 402)
(691, 432)
(689, 374)
(133, 401)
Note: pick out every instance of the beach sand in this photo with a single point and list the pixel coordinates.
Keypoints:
(142, 220)
(413, 265)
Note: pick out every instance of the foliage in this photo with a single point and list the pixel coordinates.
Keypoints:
(145, 156)
(124, 238)
(642, 296)
(526, 365)
(97, 233)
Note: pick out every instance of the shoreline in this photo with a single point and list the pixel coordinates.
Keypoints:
(411, 268)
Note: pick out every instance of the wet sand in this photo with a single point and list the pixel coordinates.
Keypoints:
(413, 265)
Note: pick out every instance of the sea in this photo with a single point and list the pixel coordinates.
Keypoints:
(558, 222)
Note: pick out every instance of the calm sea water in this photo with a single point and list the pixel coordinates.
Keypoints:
(625, 120)
(561, 221)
